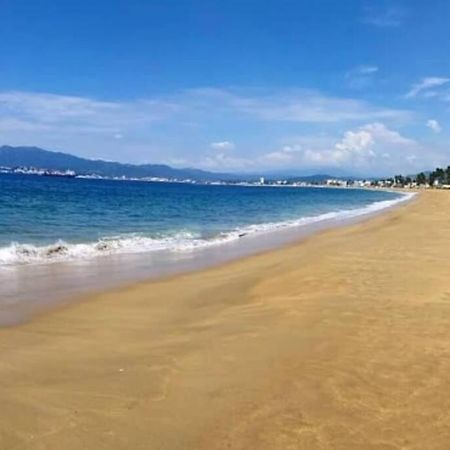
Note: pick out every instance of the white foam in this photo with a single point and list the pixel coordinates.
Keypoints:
(22, 254)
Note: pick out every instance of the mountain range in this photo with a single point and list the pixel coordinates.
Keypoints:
(44, 159)
(39, 158)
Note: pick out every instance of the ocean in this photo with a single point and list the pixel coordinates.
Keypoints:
(49, 219)
(61, 236)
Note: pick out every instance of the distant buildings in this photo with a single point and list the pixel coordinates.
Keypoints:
(439, 179)
(41, 172)
(336, 182)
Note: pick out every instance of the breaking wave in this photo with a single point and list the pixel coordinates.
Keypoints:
(21, 254)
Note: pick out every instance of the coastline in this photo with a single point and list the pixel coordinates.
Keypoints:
(339, 341)
(62, 251)
(38, 288)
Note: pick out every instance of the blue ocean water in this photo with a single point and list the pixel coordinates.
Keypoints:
(51, 219)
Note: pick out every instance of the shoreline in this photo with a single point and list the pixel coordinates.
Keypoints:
(340, 341)
(18, 254)
(33, 296)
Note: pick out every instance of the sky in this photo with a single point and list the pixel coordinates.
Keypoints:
(349, 87)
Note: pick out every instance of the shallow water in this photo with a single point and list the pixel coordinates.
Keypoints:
(55, 219)
(63, 237)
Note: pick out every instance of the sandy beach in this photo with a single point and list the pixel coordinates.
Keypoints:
(337, 342)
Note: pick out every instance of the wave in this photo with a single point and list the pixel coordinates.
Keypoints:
(23, 254)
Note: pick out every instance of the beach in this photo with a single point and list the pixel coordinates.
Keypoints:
(340, 341)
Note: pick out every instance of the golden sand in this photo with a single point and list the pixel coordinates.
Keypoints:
(338, 342)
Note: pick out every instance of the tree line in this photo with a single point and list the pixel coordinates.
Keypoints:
(438, 176)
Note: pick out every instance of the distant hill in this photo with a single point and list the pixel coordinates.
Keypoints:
(44, 159)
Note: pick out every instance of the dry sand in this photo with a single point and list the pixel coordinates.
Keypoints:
(339, 342)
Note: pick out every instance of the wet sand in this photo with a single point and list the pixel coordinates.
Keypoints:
(339, 342)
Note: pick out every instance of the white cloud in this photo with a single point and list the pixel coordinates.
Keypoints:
(223, 145)
(363, 70)
(70, 113)
(225, 162)
(366, 70)
(361, 77)
(355, 147)
(384, 134)
(292, 105)
(177, 162)
(385, 17)
(434, 125)
(355, 141)
(12, 124)
(364, 144)
(423, 87)
(372, 148)
(284, 155)
(161, 129)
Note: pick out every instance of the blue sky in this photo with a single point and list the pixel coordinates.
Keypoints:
(350, 87)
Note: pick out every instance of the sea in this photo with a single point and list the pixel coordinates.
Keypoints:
(61, 237)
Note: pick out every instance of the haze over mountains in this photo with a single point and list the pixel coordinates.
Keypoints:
(39, 158)
(44, 159)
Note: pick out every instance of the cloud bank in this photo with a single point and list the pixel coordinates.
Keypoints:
(265, 129)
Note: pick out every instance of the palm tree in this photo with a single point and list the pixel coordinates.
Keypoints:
(447, 175)
(421, 178)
